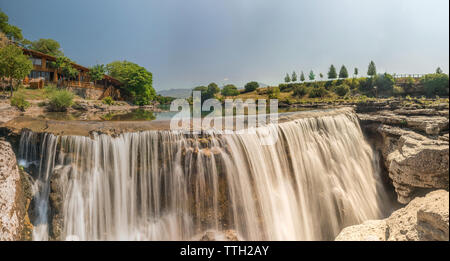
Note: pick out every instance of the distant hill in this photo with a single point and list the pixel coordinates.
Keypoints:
(176, 93)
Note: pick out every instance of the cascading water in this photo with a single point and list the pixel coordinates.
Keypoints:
(319, 177)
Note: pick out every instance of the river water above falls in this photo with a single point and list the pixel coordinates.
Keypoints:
(319, 177)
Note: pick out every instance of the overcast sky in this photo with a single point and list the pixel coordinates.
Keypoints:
(186, 43)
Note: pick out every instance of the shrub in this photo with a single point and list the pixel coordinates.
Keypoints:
(317, 92)
(108, 100)
(398, 90)
(18, 100)
(300, 91)
(274, 92)
(60, 100)
(342, 90)
(435, 84)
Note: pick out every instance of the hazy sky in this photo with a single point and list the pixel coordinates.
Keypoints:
(186, 43)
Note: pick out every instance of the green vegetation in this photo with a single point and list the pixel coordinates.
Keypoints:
(294, 76)
(108, 100)
(332, 72)
(13, 33)
(47, 46)
(287, 78)
(342, 89)
(251, 86)
(312, 76)
(302, 77)
(343, 73)
(65, 67)
(435, 84)
(164, 99)
(60, 100)
(230, 90)
(97, 72)
(317, 92)
(137, 81)
(273, 92)
(372, 70)
(18, 100)
(14, 64)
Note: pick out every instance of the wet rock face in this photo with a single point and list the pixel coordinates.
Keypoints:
(423, 219)
(59, 178)
(12, 209)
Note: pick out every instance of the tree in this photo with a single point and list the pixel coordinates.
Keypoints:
(136, 80)
(332, 72)
(230, 90)
(287, 78)
(312, 76)
(355, 72)
(436, 84)
(439, 70)
(14, 64)
(294, 76)
(273, 92)
(372, 70)
(343, 73)
(321, 75)
(97, 72)
(251, 86)
(13, 33)
(65, 68)
(302, 77)
(47, 46)
(212, 90)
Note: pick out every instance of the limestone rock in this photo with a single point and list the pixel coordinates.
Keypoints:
(414, 161)
(11, 195)
(423, 219)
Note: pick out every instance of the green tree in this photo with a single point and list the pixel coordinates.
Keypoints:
(14, 64)
(13, 33)
(321, 76)
(372, 70)
(355, 72)
(302, 77)
(438, 70)
(65, 68)
(97, 72)
(294, 76)
(137, 81)
(435, 84)
(251, 86)
(311, 76)
(287, 78)
(332, 72)
(212, 90)
(343, 73)
(47, 46)
(230, 90)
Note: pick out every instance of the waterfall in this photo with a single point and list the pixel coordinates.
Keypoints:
(319, 177)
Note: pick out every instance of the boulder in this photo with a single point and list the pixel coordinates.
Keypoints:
(423, 219)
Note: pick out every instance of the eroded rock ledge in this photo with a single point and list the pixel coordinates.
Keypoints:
(423, 219)
(414, 146)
